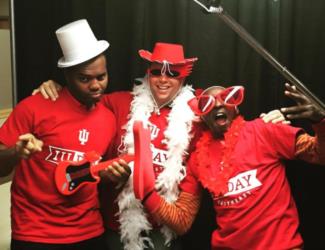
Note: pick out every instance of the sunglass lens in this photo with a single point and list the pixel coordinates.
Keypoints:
(205, 103)
(155, 72)
(232, 96)
(172, 73)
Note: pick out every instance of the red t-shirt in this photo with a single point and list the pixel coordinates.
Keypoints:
(258, 211)
(39, 213)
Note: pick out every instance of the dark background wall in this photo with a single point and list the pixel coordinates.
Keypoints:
(292, 30)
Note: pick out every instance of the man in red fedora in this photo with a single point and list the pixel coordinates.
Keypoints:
(160, 102)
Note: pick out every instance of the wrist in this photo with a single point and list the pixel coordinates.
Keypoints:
(15, 152)
(151, 201)
(319, 127)
(147, 196)
(319, 120)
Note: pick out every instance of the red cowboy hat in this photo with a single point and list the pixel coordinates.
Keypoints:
(172, 53)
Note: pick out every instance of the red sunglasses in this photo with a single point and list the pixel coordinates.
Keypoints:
(203, 104)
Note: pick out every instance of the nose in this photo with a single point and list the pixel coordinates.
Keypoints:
(94, 84)
(163, 78)
(217, 103)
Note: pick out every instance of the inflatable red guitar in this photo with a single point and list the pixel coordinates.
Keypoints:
(143, 173)
(70, 176)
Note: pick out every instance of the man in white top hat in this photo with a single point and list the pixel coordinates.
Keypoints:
(39, 133)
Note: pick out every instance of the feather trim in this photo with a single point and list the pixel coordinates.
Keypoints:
(132, 217)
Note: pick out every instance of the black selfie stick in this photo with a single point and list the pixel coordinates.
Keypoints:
(215, 7)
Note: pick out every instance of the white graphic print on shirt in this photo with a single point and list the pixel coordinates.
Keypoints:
(239, 187)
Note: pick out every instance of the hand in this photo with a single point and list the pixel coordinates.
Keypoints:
(304, 108)
(27, 144)
(117, 172)
(274, 116)
(49, 89)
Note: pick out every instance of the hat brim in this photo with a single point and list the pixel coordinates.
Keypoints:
(101, 46)
(145, 54)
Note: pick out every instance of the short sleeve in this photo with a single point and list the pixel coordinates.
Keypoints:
(190, 183)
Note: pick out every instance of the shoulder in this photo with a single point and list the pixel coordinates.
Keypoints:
(118, 102)
(116, 98)
(33, 103)
(101, 108)
(269, 130)
(258, 123)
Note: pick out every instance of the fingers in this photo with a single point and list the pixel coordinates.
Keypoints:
(293, 93)
(27, 144)
(301, 115)
(305, 108)
(125, 166)
(303, 112)
(121, 169)
(297, 97)
(286, 122)
(291, 88)
(50, 88)
(274, 116)
(35, 91)
(32, 144)
(280, 120)
(117, 171)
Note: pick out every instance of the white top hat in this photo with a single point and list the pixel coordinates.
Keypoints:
(78, 43)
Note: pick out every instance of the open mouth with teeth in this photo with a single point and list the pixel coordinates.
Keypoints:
(220, 119)
(162, 87)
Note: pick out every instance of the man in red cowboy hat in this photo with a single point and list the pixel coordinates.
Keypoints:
(160, 101)
(39, 134)
(241, 164)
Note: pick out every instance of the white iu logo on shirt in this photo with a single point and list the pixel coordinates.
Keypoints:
(83, 136)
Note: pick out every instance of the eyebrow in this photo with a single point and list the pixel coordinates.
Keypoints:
(91, 76)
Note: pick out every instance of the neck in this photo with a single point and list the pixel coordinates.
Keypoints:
(88, 104)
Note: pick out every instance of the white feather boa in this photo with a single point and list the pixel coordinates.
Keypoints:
(132, 217)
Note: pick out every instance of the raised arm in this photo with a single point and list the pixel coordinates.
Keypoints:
(179, 215)
(304, 108)
(48, 89)
(308, 148)
(26, 145)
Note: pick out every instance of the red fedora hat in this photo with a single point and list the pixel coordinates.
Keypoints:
(172, 53)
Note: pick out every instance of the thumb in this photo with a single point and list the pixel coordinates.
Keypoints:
(30, 142)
